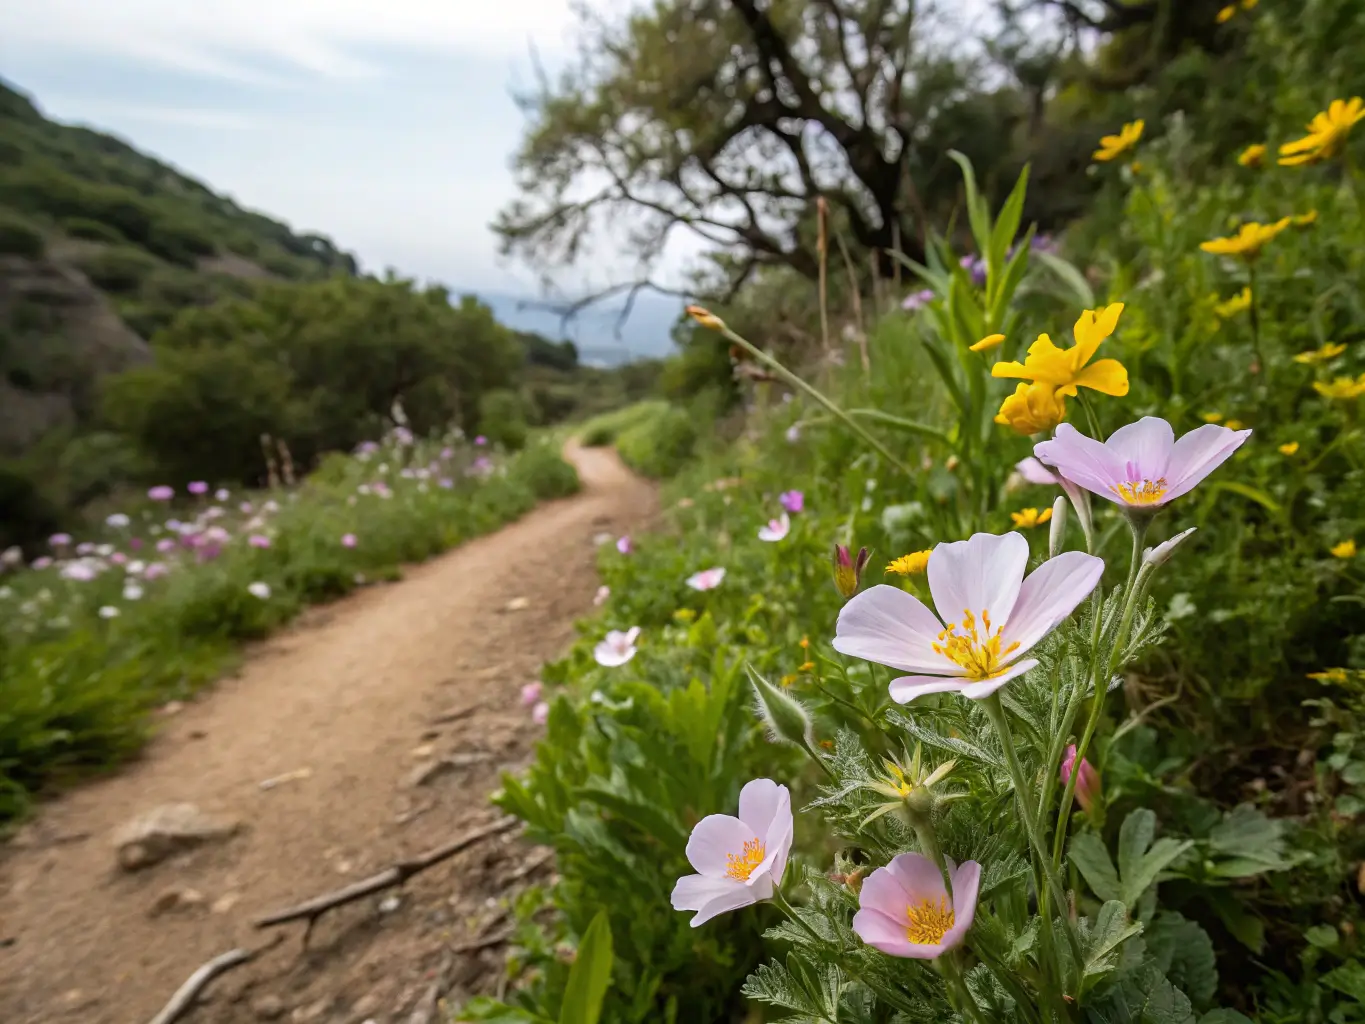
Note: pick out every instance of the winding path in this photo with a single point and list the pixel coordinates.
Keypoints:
(342, 711)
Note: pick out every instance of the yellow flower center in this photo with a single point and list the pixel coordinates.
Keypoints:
(741, 865)
(977, 651)
(1141, 492)
(929, 921)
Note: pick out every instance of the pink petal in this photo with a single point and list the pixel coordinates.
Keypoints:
(710, 896)
(1144, 448)
(976, 575)
(766, 807)
(1198, 454)
(880, 932)
(734, 899)
(918, 876)
(890, 627)
(716, 837)
(966, 889)
(1049, 594)
(883, 891)
(632, 634)
(1036, 473)
(1083, 460)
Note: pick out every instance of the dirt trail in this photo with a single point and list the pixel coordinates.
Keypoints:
(353, 700)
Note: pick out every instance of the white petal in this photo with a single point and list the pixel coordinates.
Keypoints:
(1198, 454)
(976, 575)
(759, 803)
(1049, 594)
(890, 627)
(908, 688)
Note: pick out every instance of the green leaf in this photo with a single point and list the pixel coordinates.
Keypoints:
(901, 423)
(1101, 940)
(1007, 225)
(1250, 493)
(1071, 277)
(1138, 865)
(1092, 861)
(1250, 844)
(1224, 1017)
(1244, 926)
(976, 206)
(590, 975)
(1185, 954)
(1348, 979)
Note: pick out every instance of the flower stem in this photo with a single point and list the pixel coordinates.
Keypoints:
(1101, 684)
(816, 394)
(995, 711)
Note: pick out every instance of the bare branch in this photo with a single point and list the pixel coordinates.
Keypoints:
(311, 910)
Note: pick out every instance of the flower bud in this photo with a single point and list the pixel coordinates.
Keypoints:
(1088, 789)
(1056, 538)
(1162, 552)
(787, 720)
(848, 571)
(706, 318)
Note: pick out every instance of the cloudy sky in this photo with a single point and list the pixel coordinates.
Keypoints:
(386, 124)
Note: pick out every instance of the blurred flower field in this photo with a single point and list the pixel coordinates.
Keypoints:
(99, 629)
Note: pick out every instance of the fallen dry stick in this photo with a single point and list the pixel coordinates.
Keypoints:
(186, 994)
(397, 874)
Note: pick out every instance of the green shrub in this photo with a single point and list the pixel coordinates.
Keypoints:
(604, 429)
(545, 471)
(120, 269)
(92, 230)
(502, 418)
(19, 238)
(659, 446)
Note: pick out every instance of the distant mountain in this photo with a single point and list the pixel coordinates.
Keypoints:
(645, 334)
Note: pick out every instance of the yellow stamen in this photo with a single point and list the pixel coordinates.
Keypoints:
(929, 921)
(1145, 492)
(742, 865)
(980, 658)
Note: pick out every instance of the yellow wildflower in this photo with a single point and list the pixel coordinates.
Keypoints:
(684, 615)
(1330, 675)
(1067, 369)
(1028, 518)
(1225, 15)
(1253, 155)
(1321, 355)
(1304, 220)
(912, 564)
(1342, 388)
(1237, 304)
(1289, 448)
(987, 343)
(1136, 167)
(1212, 417)
(1032, 409)
(1234, 424)
(1346, 549)
(807, 666)
(1248, 241)
(1249, 4)
(1112, 146)
(788, 680)
(804, 643)
(1326, 134)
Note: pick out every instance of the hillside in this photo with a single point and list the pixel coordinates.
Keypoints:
(152, 330)
(100, 246)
